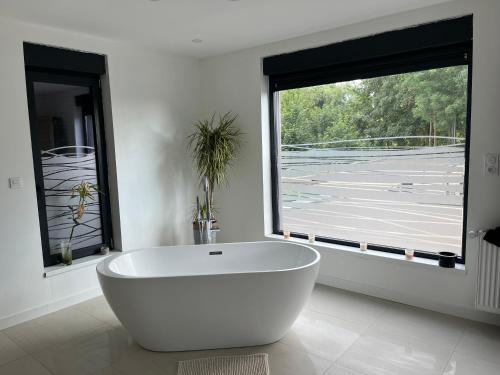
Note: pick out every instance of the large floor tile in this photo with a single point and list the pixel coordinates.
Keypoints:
(39, 335)
(346, 305)
(112, 345)
(380, 352)
(422, 324)
(26, 365)
(30, 337)
(339, 370)
(107, 371)
(467, 365)
(70, 360)
(55, 329)
(89, 354)
(322, 334)
(286, 360)
(9, 350)
(70, 321)
(481, 341)
(99, 309)
(144, 363)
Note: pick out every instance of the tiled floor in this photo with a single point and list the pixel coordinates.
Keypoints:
(339, 333)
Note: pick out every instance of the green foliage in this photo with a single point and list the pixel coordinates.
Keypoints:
(84, 191)
(214, 147)
(426, 103)
(203, 211)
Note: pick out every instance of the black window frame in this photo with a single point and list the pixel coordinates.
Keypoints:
(38, 68)
(436, 45)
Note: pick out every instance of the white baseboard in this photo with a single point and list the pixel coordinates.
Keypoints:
(412, 300)
(58, 304)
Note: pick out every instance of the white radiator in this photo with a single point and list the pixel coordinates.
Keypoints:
(488, 278)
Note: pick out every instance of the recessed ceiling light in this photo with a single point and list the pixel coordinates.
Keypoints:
(196, 40)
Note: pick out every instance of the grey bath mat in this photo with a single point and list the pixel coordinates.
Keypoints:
(255, 364)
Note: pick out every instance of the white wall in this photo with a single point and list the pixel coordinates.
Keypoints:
(153, 98)
(235, 82)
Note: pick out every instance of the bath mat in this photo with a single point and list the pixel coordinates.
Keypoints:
(254, 364)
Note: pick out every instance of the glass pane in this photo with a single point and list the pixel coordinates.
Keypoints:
(379, 160)
(66, 140)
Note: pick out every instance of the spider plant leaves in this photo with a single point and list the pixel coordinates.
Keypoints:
(214, 146)
(203, 211)
(84, 191)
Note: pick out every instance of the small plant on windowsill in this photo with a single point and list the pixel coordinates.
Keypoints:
(84, 192)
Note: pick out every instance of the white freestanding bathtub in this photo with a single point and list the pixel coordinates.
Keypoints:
(209, 296)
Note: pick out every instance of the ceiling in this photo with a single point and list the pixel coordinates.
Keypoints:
(222, 25)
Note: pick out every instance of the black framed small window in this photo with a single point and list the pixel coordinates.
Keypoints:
(370, 139)
(68, 145)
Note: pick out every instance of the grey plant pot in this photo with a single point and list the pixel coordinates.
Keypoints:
(202, 237)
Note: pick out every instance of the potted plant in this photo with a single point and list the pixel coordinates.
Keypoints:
(214, 146)
(83, 191)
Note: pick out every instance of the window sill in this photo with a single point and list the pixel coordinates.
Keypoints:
(396, 258)
(77, 264)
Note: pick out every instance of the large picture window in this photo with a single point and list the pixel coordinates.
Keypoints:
(375, 150)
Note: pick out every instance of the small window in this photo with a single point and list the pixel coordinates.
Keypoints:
(68, 148)
(375, 151)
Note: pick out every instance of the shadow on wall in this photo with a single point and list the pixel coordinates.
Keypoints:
(178, 183)
(155, 178)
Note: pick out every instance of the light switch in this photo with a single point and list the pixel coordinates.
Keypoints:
(16, 182)
(491, 164)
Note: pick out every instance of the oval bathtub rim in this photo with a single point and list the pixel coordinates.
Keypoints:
(103, 269)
